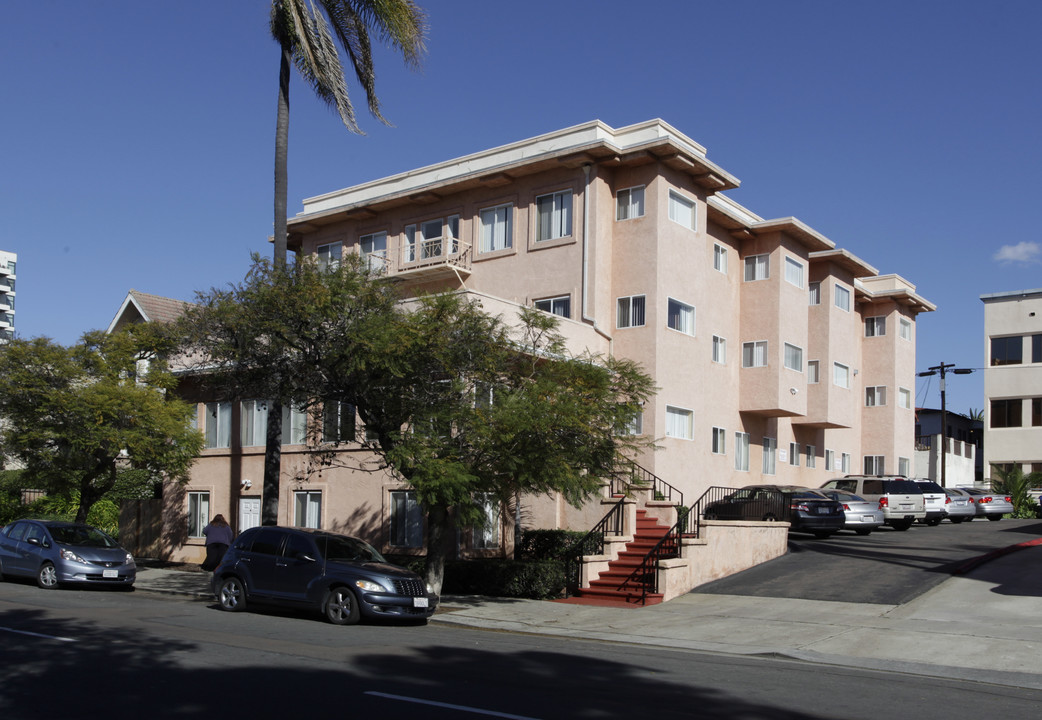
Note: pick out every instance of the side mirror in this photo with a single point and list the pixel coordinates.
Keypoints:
(35, 541)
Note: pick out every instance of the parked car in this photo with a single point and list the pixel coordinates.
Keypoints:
(899, 498)
(343, 577)
(805, 509)
(59, 553)
(934, 499)
(860, 515)
(960, 505)
(988, 504)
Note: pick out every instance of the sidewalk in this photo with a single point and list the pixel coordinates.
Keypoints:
(984, 625)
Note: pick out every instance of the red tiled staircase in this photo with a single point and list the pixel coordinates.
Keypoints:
(607, 588)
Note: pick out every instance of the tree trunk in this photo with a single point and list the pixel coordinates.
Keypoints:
(272, 465)
(281, 233)
(437, 524)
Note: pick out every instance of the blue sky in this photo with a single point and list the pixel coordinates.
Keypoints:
(139, 136)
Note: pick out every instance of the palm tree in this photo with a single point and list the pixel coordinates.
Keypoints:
(305, 32)
(1013, 481)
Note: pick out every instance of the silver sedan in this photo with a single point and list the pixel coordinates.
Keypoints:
(862, 516)
(960, 506)
(989, 504)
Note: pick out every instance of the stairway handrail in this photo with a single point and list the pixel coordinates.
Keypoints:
(648, 566)
(612, 523)
(645, 477)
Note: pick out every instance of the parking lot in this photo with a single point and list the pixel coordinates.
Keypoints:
(887, 567)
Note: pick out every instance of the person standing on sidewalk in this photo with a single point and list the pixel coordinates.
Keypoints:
(219, 537)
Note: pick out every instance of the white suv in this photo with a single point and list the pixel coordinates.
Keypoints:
(899, 498)
(935, 499)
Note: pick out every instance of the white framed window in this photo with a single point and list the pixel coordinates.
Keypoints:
(812, 459)
(338, 422)
(630, 203)
(630, 312)
(814, 293)
(218, 425)
(198, 513)
(845, 463)
(307, 508)
(793, 357)
(434, 236)
(681, 210)
(554, 215)
(905, 330)
(770, 455)
(253, 422)
(373, 248)
(904, 466)
(904, 398)
(842, 297)
(754, 354)
(720, 258)
(757, 267)
(840, 375)
(830, 460)
(496, 228)
(741, 451)
(329, 255)
(874, 465)
(406, 520)
(634, 427)
(561, 306)
(813, 372)
(875, 395)
(719, 350)
(794, 454)
(679, 423)
(875, 326)
(486, 535)
(794, 272)
(294, 424)
(719, 441)
(680, 317)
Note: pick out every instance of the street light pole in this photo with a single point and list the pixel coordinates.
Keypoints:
(942, 369)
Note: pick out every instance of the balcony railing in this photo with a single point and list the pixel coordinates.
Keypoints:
(424, 258)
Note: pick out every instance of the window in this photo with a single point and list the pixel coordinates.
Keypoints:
(631, 311)
(875, 395)
(830, 461)
(754, 354)
(294, 424)
(874, 465)
(218, 425)
(1006, 413)
(630, 203)
(757, 267)
(794, 272)
(338, 421)
(1036, 348)
(814, 291)
(307, 508)
(681, 210)
(842, 298)
(486, 535)
(432, 238)
(634, 427)
(793, 357)
(679, 423)
(741, 451)
(904, 398)
(719, 441)
(812, 460)
(328, 256)
(1007, 350)
(905, 330)
(813, 372)
(719, 349)
(556, 306)
(198, 513)
(373, 249)
(904, 466)
(840, 375)
(875, 326)
(1036, 412)
(794, 454)
(720, 258)
(845, 463)
(496, 228)
(555, 215)
(680, 316)
(253, 423)
(406, 520)
(770, 451)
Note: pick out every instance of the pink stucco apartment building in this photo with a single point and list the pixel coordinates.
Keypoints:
(779, 357)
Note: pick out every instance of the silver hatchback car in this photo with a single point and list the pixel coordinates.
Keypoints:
(59, 553)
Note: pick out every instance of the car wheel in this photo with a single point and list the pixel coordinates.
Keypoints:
(47, 577)
(709, 516)
(822, 534)
(769, 517)
(340, 606)
(231, 594)
(901, 524)
(956, 521)
(863, 531)
(994, 518)
(934, 523)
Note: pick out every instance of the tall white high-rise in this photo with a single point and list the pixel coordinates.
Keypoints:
(7, 278)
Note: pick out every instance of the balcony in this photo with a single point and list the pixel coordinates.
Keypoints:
(424, 260)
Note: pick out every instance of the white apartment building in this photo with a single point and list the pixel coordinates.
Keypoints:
(7, 294)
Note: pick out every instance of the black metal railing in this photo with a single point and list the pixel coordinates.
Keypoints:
(628, 474)
(727, 503)
(592, 544)
(644, 579)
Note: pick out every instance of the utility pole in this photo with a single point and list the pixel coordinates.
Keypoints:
(942, 369)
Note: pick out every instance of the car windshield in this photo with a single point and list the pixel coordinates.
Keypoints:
(346, 548)
(81, 536)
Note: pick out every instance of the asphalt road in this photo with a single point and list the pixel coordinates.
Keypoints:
(887, 567)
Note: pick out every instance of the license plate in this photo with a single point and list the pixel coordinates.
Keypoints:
(112, 574)
(906, 506)
(419, 602)
(867, 518)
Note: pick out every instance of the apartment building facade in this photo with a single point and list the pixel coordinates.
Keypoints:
(8, 261)
(1013, 380)
(779, 357)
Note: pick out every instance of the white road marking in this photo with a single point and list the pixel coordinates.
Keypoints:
(464, 708)
(32, 634)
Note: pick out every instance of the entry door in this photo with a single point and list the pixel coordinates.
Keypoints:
(249, 513)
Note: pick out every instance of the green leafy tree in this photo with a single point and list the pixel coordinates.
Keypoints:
(1015, 483)
(78, 418)
(305, 32)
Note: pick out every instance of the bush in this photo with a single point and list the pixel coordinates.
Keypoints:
(547, 544)
(537, 580)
